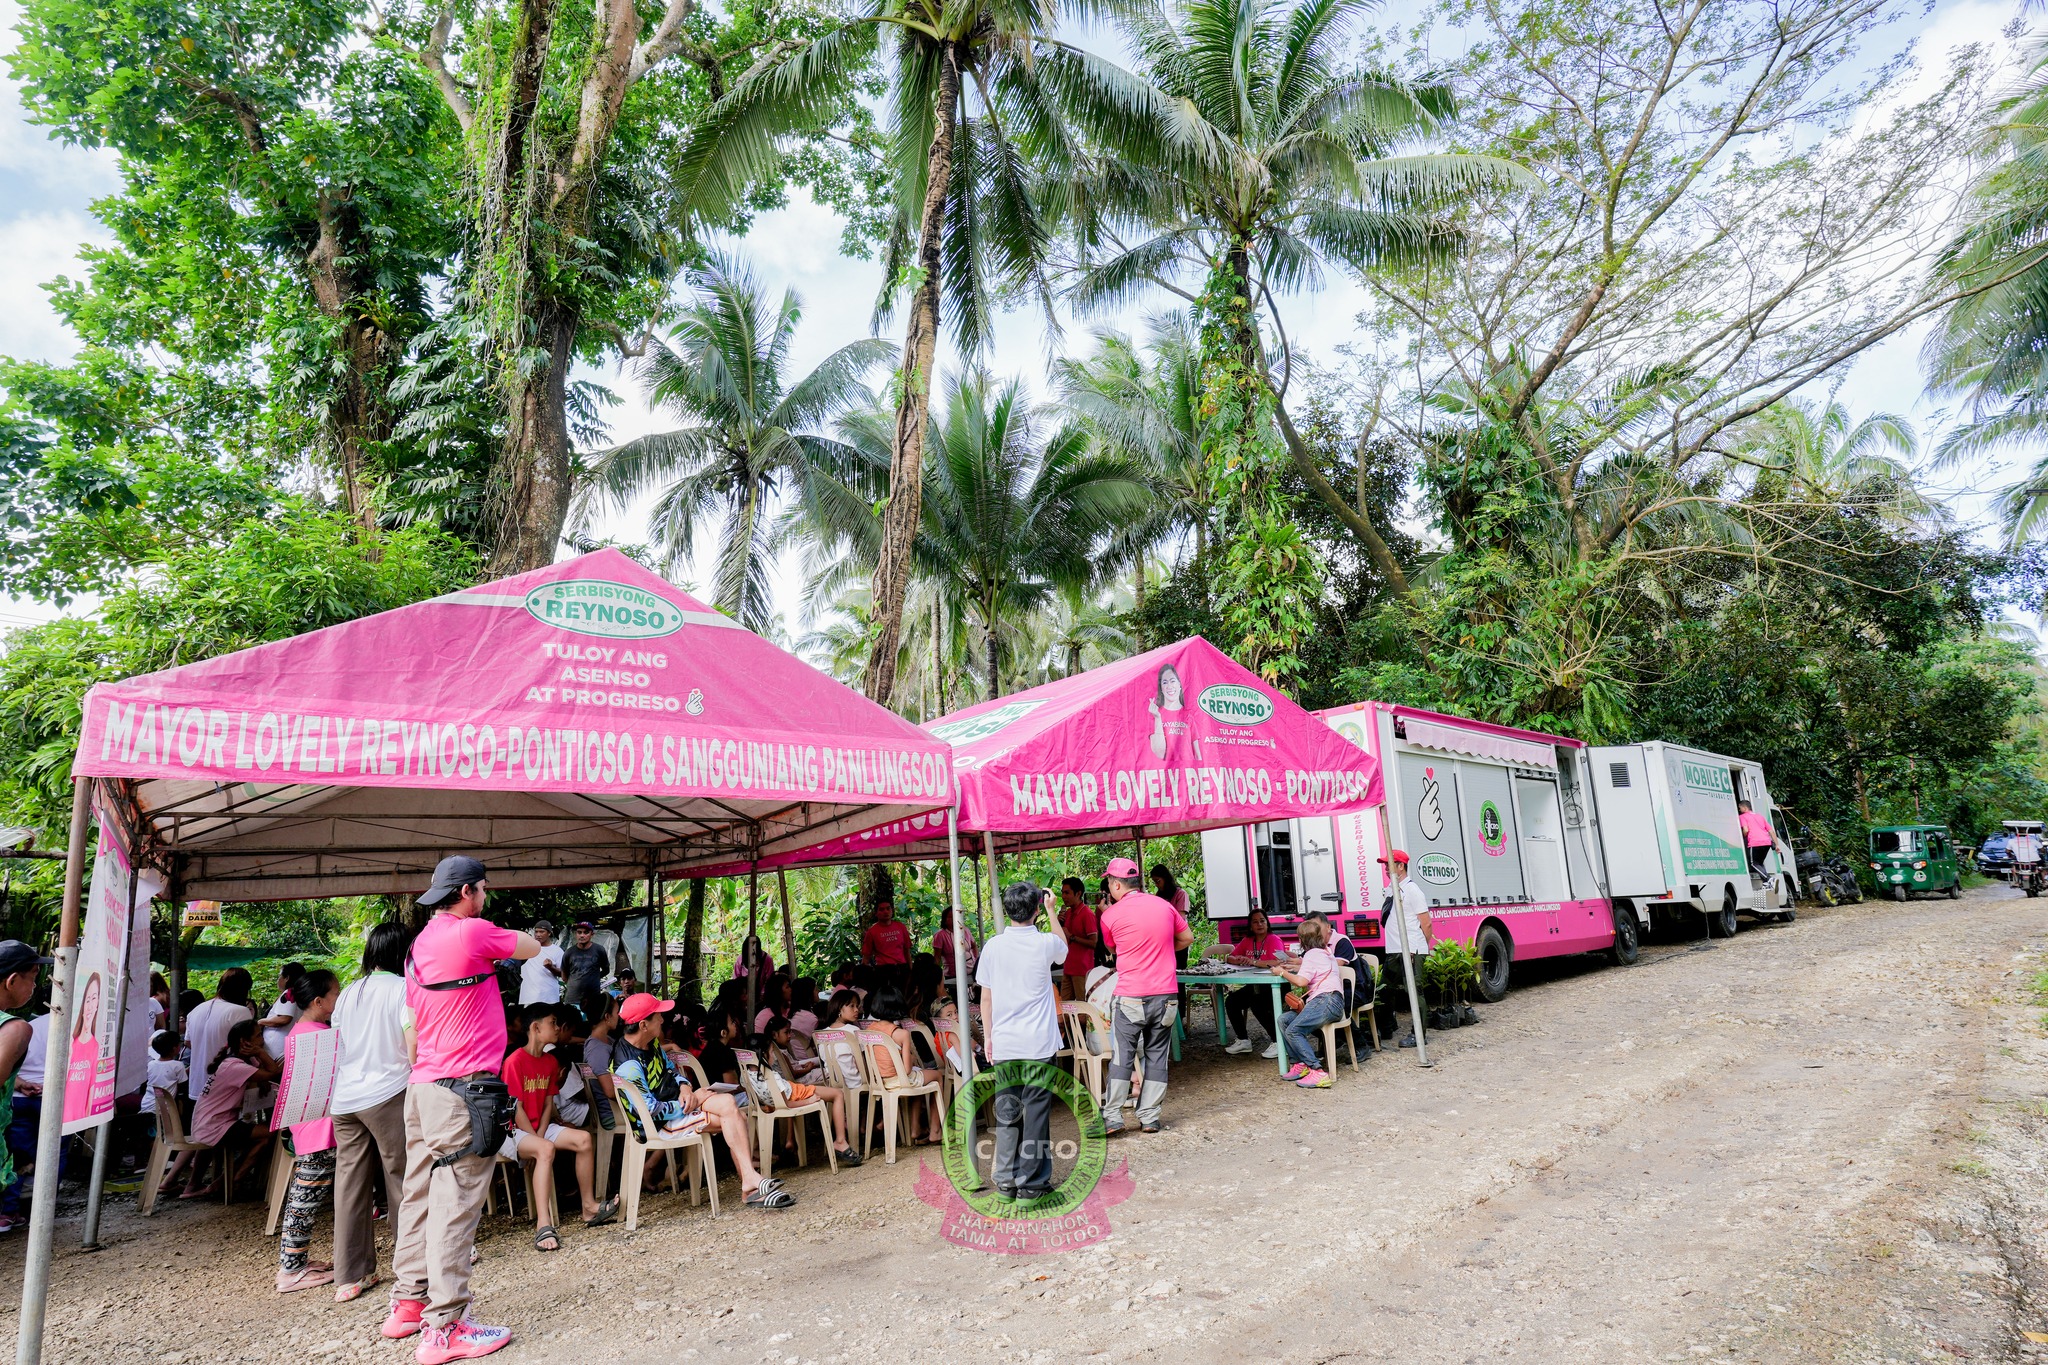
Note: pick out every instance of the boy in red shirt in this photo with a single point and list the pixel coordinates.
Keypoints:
(534, 1077)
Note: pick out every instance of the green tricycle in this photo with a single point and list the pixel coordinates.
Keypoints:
(1908, 858)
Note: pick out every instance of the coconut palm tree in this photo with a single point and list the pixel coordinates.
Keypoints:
(1992, 347)
(1015, 508)
(1273, 159)
(753, 433)
(1145, 403)
(976, 91)
(1823, 455)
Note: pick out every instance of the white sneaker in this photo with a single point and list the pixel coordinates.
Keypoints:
(1240, 1047)
(1272, 1051)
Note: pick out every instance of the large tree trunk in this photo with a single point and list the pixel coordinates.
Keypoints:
(687, 989)
(995, 684)
(534, 463)
(358, 418)
(920, 348)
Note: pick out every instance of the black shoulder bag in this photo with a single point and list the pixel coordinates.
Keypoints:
(488, 1099)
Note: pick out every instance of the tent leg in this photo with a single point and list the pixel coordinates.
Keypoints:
(661, 927)
(788, 923)
(42, 1225)
(1138, 838)
(964, 985)
(995, 895)
(753, 917)
(979, 935)
(96, 1191)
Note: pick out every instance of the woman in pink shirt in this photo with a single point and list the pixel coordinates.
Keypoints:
(313, 1171)
(1256, 947)
(1756, 834)
(242, 1061)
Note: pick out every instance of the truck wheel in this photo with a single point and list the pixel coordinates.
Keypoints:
(1899, 891)
(1721, 923)
(1495, 958)
(1955, 889)
(1628, 937)
(1787, 915)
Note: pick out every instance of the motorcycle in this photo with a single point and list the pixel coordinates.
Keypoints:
(1830, 880)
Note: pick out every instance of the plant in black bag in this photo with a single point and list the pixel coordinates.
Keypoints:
(1450, 970)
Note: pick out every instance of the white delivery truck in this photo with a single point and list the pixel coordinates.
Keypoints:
(1673, 840)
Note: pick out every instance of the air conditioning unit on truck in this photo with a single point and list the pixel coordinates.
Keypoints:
(1498, 822)
(1673, 838)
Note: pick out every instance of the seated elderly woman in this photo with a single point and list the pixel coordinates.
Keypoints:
(1258, 946)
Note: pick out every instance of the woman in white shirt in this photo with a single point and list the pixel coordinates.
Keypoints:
(369, 1103)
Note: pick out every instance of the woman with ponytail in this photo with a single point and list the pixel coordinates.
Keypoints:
(240, 1063)
(313, 994)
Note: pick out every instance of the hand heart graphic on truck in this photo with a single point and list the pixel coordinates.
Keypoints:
(1429, 814)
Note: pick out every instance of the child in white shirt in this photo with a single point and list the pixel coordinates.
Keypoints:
(165, 1070)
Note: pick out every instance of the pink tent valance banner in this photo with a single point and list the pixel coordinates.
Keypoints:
(591, 687)
(1179, 739)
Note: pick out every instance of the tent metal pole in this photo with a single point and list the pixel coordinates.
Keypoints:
(1407, 959)
(1138, 837)
(995, 895)
(788, 923)
(96, 1190)
(963, 984)
(753, 914)
(42, 1224)
(661, 927)
(978, 934)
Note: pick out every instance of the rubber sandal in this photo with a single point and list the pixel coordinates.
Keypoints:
(607, 1212)
(847, 1156)
(309, 1278)
(349, 1293)
(765, 1198)
(547, 1234)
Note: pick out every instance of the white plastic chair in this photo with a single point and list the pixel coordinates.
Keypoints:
(839, 1049)
(1342, 1022)
(767, 1113)
(1082, 1023)
(891, 1091)
(282, 1159)
(692, 1149)
(171, 1139)
(606, 1132)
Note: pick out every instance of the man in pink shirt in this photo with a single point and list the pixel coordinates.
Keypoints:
(451, 994)
(1756, 834)
(1145, 932)
(887, 943)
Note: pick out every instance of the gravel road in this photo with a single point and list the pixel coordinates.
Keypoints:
(1816, 1141)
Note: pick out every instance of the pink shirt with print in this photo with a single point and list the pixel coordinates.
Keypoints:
(460, 1031)
(1141, 928)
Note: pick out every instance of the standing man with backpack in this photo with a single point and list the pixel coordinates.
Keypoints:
(457, 1110)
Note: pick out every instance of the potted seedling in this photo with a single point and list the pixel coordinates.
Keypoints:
(1450, 971)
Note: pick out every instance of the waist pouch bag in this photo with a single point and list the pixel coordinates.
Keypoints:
(490, 1105)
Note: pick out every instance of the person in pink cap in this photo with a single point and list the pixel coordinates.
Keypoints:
(458, 1022)
(1145, 932)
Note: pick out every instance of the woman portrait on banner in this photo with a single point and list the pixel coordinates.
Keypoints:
(85, 1050)
(1170, 694)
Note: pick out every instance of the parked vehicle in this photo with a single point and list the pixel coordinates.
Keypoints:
(1830, 880)
(1909, 858)
(1994, 855)
(1672, 837)
(2025, 867)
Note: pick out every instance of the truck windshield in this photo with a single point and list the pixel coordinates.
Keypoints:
(1892, 841)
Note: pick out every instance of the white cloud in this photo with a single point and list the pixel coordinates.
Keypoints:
(36, 248)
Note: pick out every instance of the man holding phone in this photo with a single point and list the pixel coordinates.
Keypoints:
(1022, 1020)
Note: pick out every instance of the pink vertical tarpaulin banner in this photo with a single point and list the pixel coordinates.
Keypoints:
(97, 1060)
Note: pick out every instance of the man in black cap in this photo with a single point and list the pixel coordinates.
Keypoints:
(451, 992)
(585, 965)
(19, 967)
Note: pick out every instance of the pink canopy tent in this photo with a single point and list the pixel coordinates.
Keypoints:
(1177, 740)
(584, 722)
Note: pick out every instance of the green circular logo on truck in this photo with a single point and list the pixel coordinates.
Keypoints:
(1236, 704)
(598, 606)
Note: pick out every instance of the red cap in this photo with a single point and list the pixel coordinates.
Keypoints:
(1123, 869)
(1396, 855)
(638, 1007)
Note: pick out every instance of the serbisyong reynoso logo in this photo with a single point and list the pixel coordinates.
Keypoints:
(1236, 704)
(1438, 869)
(598, 606)
(970, 728)
(1072, 1215)
(1493, 831)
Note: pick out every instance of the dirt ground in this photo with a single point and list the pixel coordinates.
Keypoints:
(1816, 1141)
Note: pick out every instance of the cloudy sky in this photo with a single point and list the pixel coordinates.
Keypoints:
(46, 192)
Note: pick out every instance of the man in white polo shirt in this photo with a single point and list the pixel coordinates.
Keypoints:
(1023, 1025)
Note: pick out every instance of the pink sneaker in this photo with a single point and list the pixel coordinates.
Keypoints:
(1315, 1080)
(460, 1340)
(1296, 1072)
(404, 1320)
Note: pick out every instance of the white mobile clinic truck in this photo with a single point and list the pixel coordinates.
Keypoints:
(1528, 845)
(1673, 841)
